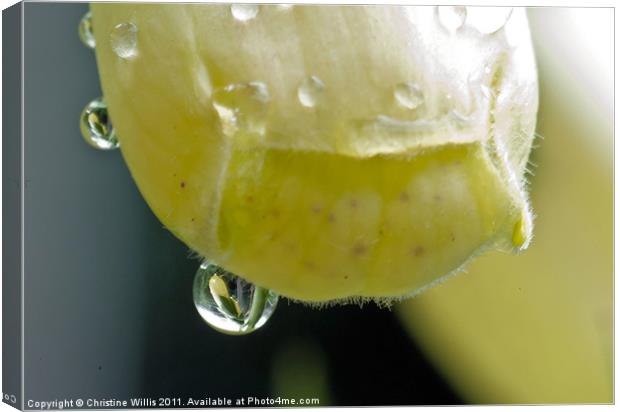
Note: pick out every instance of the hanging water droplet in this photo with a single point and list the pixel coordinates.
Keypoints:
(488, 20)
(408, 95)
(451, 17)
(244, 12)
(310, 90)
(242, 106)
(124, 40)
(96, 126)
(230, 304)
(85, 30)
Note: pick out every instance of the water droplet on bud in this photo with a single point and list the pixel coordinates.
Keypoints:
(124, 40)
(408, 95)
(244, 12)
(309, 91)
(230, 304)
(96, 126)
(85, 30)
(488, 20)
(451, 17)
(242, 106)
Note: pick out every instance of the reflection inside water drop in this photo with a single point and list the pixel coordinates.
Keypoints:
(230, 304)
(96, 126)
(244, 12)
(124, 40)
(85, 30)
(451, 17)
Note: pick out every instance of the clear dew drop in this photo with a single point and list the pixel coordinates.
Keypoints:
(452, 18)
(488, 20)
(242, 106)
(244, 12)
(230, 304)
(124, 40)
(310, 91)
(96, 126)
(408, 95)
(85, 30)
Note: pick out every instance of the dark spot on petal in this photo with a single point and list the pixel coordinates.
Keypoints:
(346, 277)
(99, 367)
(250, 199)
(404, 197)
(353, 203)
(193, 219)
(437, 198)
(359, 249)
(331, 218)
(452, 238)
(417, 251)
(316, 209)
(309, 265)
(182, 185)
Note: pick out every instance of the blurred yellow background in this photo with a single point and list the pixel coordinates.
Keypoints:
(537, 328)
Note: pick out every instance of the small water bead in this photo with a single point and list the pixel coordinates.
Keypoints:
(310, 90)
(408, 95)
(452, 18)
(96, 126)
(85, 30)
(124, 40)
(488, 20)
(242, 106)
(230, 304)
(244, 12)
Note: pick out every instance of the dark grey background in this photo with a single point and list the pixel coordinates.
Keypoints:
(108, 303)
(11, 206)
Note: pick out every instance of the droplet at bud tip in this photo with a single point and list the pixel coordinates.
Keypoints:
(230, 304)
